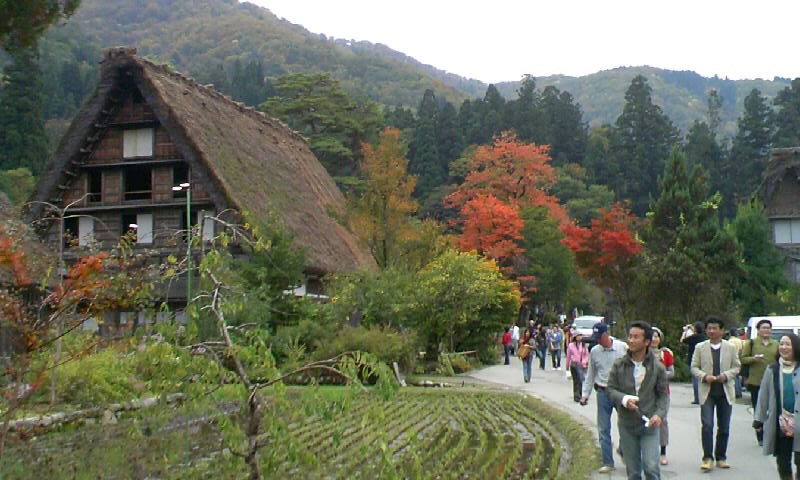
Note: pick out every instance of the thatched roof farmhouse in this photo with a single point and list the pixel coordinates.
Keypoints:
(148, 128)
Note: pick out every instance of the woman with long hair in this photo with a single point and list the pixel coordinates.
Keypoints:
(777, 406)
(525, 353)
(668, 360)
(577, 363)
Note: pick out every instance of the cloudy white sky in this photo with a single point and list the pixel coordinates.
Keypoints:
(502, 40)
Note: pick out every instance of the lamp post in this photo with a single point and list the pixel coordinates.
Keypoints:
(187, 186)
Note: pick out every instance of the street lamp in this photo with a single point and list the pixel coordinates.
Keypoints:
(187, 186)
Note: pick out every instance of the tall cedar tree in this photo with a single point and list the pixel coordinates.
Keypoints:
(749, 151)
(787, 120)
(641, 142)
(525, 115)
(23, 142)
(564, 129)
(316, 105)
(703, 149)
(493, 109)
(688, 256)
(607, 253)
(516, 173)
(761, 280)
(426, 162)
(23, 22)
(381, 216)
(448, 135)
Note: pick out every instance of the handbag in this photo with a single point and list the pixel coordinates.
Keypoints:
(786, 423)
(524, 351)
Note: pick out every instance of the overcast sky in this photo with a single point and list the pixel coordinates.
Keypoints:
(502, 40)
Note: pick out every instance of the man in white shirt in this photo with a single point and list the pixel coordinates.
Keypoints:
(601, 359)
(514, 339)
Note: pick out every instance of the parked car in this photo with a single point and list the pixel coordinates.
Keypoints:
(584, 324)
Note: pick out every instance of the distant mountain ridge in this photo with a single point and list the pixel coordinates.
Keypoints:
(194, 35)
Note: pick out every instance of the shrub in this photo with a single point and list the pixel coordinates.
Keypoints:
(386, 344)
(460, 363)
(97, 379)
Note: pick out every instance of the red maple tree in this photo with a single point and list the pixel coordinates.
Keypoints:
(492, 228)
(516, 173)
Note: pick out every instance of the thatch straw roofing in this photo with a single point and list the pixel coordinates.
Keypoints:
(262, 167)
(781, 161)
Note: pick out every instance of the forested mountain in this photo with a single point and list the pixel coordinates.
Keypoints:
(204, 37)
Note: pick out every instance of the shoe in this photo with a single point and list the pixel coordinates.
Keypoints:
(695, 403)
(606, 469)
(664, 460)
(707, 465)
(723, 464)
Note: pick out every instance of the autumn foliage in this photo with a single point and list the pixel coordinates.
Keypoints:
(491, 228)
(604, 251)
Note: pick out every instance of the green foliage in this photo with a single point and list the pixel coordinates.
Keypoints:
(787, 120)
(688, 257)
(761, 279)
(23, 142)
(582, 200)
(317, 106)
(23, 23)
(385, 298)
(386, 344)
(17, 183)
(98, 379)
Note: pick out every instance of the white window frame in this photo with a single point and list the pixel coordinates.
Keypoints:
(138, 142)
(782, 232)
(207, 225)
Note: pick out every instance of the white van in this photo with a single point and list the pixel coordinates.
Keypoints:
(584, 324)
(780, 325)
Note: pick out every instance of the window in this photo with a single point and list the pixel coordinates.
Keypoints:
(208, 224)
(786, 231)
(129, 224)
(85, 231)
(144, 230)
(137, 143)
(180, 174)
(138, 183)
(136, 96)
(95, 187)
(71, 231)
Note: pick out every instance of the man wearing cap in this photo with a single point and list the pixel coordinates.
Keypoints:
(601, 359)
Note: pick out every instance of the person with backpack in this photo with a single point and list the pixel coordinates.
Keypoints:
(756, 355)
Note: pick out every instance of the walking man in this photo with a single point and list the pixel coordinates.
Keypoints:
(601, 358)
(757, 354)
(507, 344)
(715, 364)
(555, 339)
(514, 339)
(692, 335)
(637, 384)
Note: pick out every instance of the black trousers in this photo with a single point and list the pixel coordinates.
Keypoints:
(754, 389)
(783, 456)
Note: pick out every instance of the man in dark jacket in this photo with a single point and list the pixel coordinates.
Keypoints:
(692, 335)
(637, 385)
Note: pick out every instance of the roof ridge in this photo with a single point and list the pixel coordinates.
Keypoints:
(131, 53)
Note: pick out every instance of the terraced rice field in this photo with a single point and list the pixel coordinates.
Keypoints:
(432, 435)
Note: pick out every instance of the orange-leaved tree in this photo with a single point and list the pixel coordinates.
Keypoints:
(516, 173)
(492, 228)
(380, 217)
(607, 251)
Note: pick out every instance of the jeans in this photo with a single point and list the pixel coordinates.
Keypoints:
(641, 451)
(695, 388)
(526, 367)
(754, 389)
(737, 384)
(723, 409)
(604, 410)
(555, 357)
(507, 349)
(542, 354)
(783, 456)
(664, 434)
(578, 375)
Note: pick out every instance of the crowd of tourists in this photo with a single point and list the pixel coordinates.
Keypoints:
(633, 378)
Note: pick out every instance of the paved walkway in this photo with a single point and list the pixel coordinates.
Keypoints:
(685, 449)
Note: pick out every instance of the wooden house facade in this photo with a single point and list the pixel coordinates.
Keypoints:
(147, 129)
(780, 192)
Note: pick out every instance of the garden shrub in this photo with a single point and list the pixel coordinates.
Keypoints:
(97, 379)
(386, 344)
(460, 363)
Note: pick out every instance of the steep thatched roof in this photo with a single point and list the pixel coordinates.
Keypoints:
(260, 165)
(781, 161)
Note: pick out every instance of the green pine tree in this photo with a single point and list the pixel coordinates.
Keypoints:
(23, 142)
(688, 257)
(702, 149)
(641, 142)
(426, 162)
(787, 120)
(749, 151)
(448, 135)
(565, 131)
